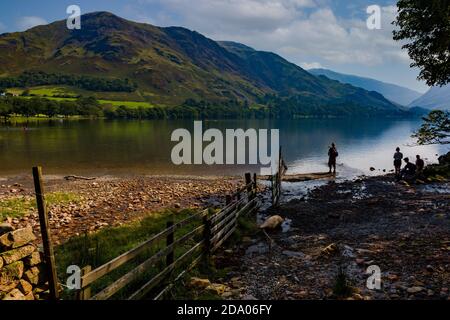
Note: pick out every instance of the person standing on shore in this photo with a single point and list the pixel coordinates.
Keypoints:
(332, 155)
(398, 157)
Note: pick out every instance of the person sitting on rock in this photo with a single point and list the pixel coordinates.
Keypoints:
(409, 171)
(420, 164)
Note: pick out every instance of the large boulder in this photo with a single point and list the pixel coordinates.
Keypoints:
(272, 223)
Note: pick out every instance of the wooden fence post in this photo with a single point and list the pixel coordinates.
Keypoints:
(85, 293)
(169, 241)
(238, 194)
(248, 180)
(45, 232)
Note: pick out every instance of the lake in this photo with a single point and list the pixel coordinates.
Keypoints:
(102, 147)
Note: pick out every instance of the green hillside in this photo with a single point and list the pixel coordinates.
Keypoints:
(129, 61)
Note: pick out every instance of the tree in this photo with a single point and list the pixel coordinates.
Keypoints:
(426, 24)
(435, 129)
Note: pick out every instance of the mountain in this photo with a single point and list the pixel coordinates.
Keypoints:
(394, 93)
(170, 65)
(435, 98)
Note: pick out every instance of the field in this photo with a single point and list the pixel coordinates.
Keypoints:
(115, 99)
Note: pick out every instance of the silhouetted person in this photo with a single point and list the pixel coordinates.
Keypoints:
(420, 164)
(409, 171)
(398, 157)
(332, 155)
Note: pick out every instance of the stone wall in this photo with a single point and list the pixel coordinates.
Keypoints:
(21, 265)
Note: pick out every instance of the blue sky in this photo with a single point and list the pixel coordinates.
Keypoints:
(311, 33)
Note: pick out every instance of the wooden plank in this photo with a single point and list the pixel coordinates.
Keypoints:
(235, 215)
(169, 241)
(219, 215)
(133, 253)
(158, 278)
(225, 238)
(45, 233)
(160, 295)
(135, 273)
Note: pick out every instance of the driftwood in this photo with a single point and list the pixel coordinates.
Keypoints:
(70, 178)
(302, 177)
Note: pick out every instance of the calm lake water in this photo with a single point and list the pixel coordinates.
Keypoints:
(101, 147)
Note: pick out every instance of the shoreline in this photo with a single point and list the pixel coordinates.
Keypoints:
(374, 221)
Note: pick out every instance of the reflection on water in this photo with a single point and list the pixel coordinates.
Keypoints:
(144, 147)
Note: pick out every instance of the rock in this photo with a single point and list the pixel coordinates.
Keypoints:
(272, 222)
(217, 288)
(17, 254)
(177, 206)
(34, 276)
(199, 283)
(430, 268)
(357, 296)
(17, 238)
(413, 290)
(34, 259)
(29, 296)
(5, 228)
(7, 286)
(332, 248)
(14, 270)
(15, 294)
(293, 254)
(393, 277)
(360, 262)
(5, 242)
(372, 169)
(25, 287)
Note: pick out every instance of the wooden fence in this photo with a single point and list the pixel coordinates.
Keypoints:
(276, 180)
(212, 231)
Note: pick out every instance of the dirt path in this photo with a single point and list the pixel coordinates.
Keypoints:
(403, 230)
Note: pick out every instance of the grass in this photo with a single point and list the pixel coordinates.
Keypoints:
(98, 248)
(51, 93)
(17, 207)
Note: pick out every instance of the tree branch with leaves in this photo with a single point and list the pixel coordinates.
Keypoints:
(435, 129)
(425, 26)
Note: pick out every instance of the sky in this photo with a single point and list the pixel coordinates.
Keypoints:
(331, 34)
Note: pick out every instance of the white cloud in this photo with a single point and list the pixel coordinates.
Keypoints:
(311, 65)
(302, 31)
(28, 22)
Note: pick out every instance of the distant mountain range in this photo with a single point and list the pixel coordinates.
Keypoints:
(394, 93)
(435, 98)
(171, 65)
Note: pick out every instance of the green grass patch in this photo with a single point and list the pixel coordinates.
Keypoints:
(101, 247)
(17, 207)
